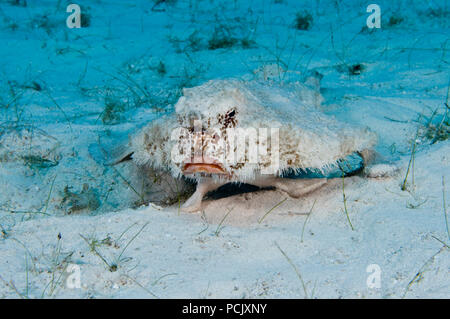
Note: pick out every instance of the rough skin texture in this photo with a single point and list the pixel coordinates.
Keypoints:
(307, 137)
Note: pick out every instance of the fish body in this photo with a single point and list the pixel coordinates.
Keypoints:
(254, 132)
(236, 131)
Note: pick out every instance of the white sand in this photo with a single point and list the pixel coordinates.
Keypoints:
(193, 255)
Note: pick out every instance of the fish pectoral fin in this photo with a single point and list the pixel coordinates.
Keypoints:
(194, 203)
(298, 187)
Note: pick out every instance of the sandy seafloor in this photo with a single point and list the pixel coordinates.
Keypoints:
(63, 89)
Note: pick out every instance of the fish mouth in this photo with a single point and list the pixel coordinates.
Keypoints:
(204, 166)
(208, 168)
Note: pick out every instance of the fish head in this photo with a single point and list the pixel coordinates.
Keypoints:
(205, 145)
